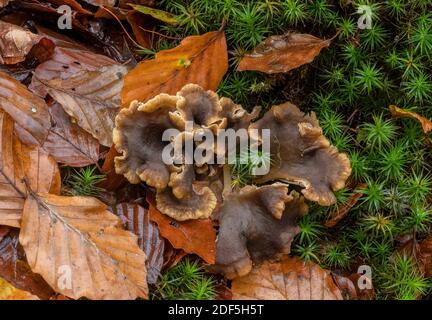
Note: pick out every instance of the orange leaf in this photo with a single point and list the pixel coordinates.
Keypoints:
(8, 292)
(202, 60)
(283, 53)
(402, 113)
(193, 236)
(289, 279)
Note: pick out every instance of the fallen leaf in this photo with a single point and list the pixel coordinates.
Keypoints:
(202, 60)
(403, 113)
(15, 43)
(193, 236)
(28, 110)
(67, 142)
(73, 4)
(4, 3)
(157, 14)
(90, 97)
(283, 53)
(140, 24)
(78, 237)
(18, 163)
(342, 210)
(288, 279)
(350, 289)
(9, 292)
(425, 249)
(15, 269)
(112, 180)
(48, 128)
(136, 219)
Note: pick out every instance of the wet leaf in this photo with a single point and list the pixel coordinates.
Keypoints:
(157, 14)
(193, 236)
(136, 219)
(193, 61)
(15, 269)
(283, 53)
(21, 165)
(15, 43)
(90, 97)
(80, 249)
(9, 292)
(403, 113)
(289, 279)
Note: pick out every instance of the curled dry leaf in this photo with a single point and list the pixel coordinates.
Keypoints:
(15, 43)
(9, 292)
(137, 220)
(349, 287)
(193, 61)
(79, 237)
(283, 53)
(256, 223)
(425, 249)
(15, 269)
(193, 236)
(21, 165)
(402, 113)
(288, 279)
(302, 155)
(341, 211)
(49, 128)
(90, 97)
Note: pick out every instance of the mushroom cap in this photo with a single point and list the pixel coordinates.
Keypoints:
(198, 106)
(256, 223)
(302, 155)
(237, 117)
(138, 137)
(198, 205)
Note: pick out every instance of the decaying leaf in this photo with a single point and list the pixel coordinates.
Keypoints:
(193, 61)
(22, 167)
(425, 250)
(157, 14)
(283, 53)
(80, 249)
(15, 43)
(288, 279)
(256, 223)
(67, 142)
(9, 292)
(341, 211)
(193, 236)
(349, 287)
(92, 98)
(28, 110)
(402, 113)
(47, 127)
(15, 269)
(137, 220)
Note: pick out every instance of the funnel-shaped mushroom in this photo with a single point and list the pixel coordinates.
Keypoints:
(138, 137)
(302, 155)
(256, 223)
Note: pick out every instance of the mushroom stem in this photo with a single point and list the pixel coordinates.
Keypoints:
(227, 180)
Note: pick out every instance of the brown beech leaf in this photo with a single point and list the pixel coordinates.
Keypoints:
(137, 220)
(283, 53)
(289, 279)
(67, 142)
(92, 98)
(79, 237)
(403, 113)
(202, 60)
(193, 236)
(341, 211)
(15, 43)
(425, 248)
(28, 110)
(15, 269)
(18, 163)
(9, 292)
(113, 180)
(349, 287)
(4, 3)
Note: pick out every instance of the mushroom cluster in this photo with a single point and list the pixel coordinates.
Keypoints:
(255, 222)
